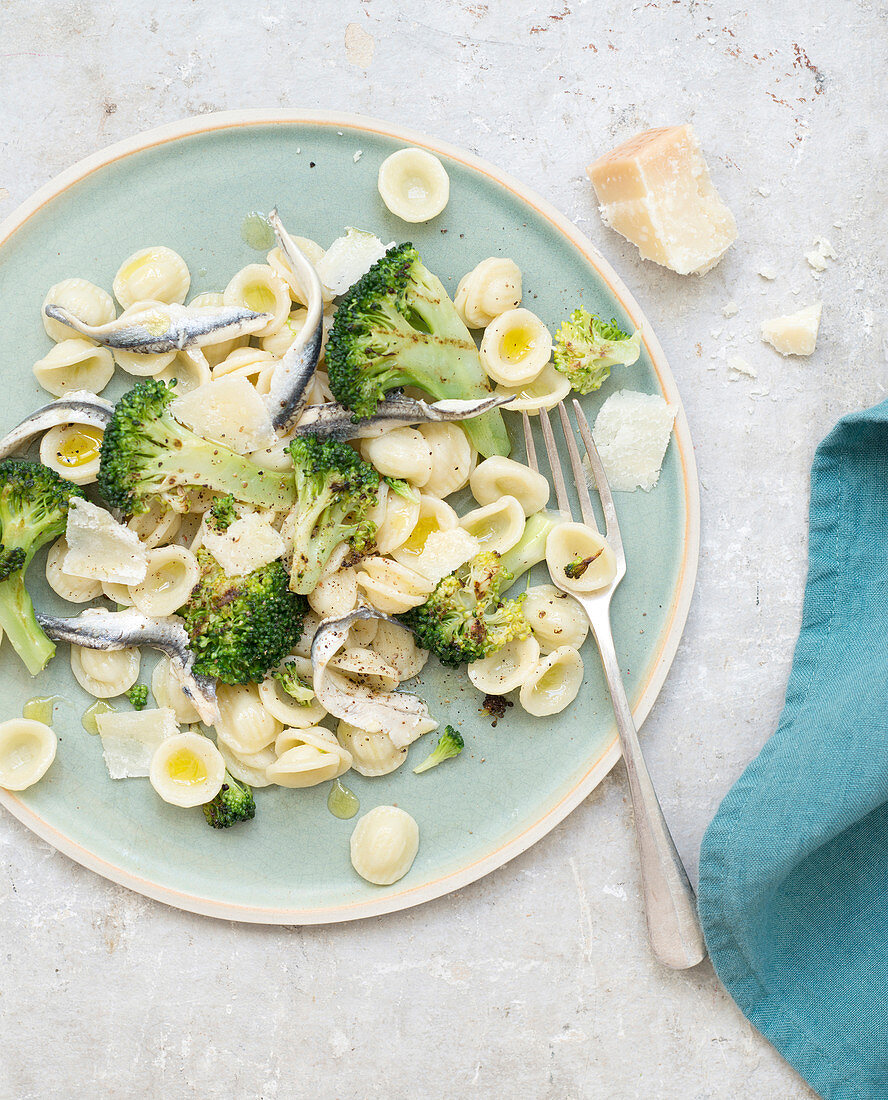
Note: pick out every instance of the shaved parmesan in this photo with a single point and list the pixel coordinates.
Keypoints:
(632, 432)
(348, 258)
(100, 548)
(793, 334)
(227, 410)
(444, 551)
(820, 253)
(129, 739)
(249, 543)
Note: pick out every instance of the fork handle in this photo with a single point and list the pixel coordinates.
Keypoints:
(669, 903)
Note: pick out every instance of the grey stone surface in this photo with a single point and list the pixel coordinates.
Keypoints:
(537, 981)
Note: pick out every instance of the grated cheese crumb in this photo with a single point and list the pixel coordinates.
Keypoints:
(794, 333)
(730, 309)
(820, 253)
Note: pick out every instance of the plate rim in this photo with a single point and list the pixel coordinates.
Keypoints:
(659, 664)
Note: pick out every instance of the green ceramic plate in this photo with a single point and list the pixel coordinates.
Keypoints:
(189, 186)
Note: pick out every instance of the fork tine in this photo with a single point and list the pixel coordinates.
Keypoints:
(578, 472)
(612, 526)
(554, 463)
(528, 444)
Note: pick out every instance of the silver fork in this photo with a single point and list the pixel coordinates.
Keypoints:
(669, 903)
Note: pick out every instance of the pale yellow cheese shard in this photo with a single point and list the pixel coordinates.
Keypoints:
(655, 190)
(795, 333)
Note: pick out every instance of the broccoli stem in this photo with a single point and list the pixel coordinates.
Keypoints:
(531, 547)
(200, 463)
(20, 624)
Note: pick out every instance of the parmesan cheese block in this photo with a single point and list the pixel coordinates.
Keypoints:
(443, 552)
(348, 258)
(631, 433)
(227, 410)
(129, 739)
(793, 334)
(655, 190)
(100, 548)
(249, 543)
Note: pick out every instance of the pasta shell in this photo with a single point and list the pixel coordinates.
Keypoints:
(153, 274)
(27, 748)
(414, 185)
(515, 348)
(497, 477)
(88, 302)
(384, 845)
(507, 668)
(579, 559)
(75, 364)
(372, 754)
(553, 684)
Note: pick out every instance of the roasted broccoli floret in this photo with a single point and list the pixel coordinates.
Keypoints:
(578, 566)
(586, 348)
(240, 627)
(147, 453)
(299, 691)
(34, 504)
(232, 804)
(335, 490)
(138, 696)
(397, 327)
(450, 743)
(466, 618)
(222, 513)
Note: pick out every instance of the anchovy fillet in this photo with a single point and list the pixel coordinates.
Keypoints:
(331, 421)
(403, 716)
(292, 375)
(111, 630)
(161, 327)
(79, 407)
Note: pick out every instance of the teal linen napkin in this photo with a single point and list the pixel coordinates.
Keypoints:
(793, 888)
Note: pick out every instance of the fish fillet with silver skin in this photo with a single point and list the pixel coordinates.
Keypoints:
(161, 327)
(96, 628)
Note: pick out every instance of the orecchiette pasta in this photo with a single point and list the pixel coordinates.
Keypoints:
(497, 477)
(248, 767)
(72, 450)
(434, 515)
(579, 559)
(398, 648)
(257, 287)
(215, 353)
(496, 526)
(74, 364)
(310, 624)
(507, 668)
(156, 526)
(143, 366)
(27, 748)
(452, 458)
(554, 683)
(515, 348)
(402, 453)
(548, 388)
(555, 618)
(117, 593)
(363, 632)
(152, 274)
(413, 184)
(335, 595)
(187, 770)
(277, 343)
(277, 261)
(399, 518)
(308, 757)
(283, 706)
(105, 673)
(244, 724)
(186, 372)
(166, 687)
(254, 364)
(70, 588)
(391, 587)
(372, 754)
(384, 845)
(172, 574)
(88, 302)
(488, 290)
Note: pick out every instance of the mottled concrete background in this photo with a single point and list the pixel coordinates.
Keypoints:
(537, 981)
